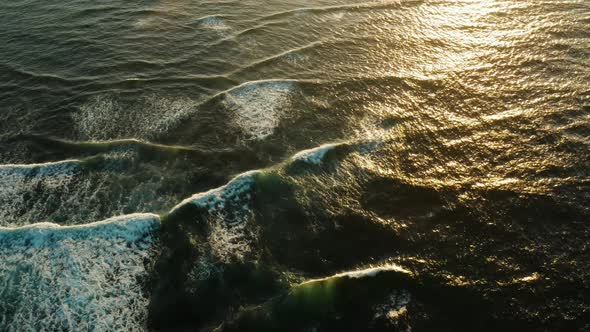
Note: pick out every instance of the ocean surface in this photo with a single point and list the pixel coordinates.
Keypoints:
(272, 165)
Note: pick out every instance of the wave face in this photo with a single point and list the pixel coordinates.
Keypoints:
(305, 165)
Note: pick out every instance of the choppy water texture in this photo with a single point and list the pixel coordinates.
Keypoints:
(295, 165)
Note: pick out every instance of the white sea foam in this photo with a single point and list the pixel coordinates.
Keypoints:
(41, 169)
(148, 22)
(294, 58)
(366, 273)
(258, 107)
(231, 230)
(206, 267)
(73, 192)
(394, 307)
(78, 278)
(18, 181)
(213, 22)
(371, 272)
(104, 117)
(216, 198)
(231, 234)
(338, 15)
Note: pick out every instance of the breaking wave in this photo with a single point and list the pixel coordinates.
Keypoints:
(76, 278)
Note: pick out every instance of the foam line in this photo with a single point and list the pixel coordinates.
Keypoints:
(366, 273)
(243, 182)
(106, 145)
(50, 166)
(258, 82)
(316, 155)
(236, 186)
(127, 221)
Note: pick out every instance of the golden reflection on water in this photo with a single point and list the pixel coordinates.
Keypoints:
(490, 52)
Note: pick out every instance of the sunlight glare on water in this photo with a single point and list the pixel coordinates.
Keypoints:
(228, 165)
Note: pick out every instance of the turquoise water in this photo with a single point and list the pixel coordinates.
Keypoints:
(294, 165)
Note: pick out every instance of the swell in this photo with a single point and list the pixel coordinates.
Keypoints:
(259, 63)
(236, 186)
(94, 153)
(60, 186)
(17, 78)
(304, 82)
(246, 102)
(232, 37)
(357, 7)
(94, 147)
(377, 292)
(210, 240)
(244, 181)
(223, 242)
(23, 78)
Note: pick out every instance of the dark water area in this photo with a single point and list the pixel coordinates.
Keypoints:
(328, 165)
